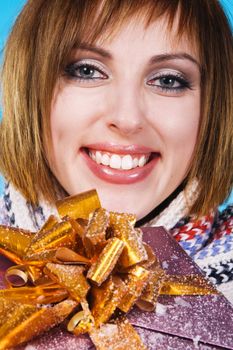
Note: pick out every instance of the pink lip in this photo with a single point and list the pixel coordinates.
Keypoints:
(120, 149)
(117, 176)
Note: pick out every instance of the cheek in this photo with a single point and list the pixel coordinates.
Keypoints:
(72, 113)
(187, 129)
(176, 119)
(182, 133)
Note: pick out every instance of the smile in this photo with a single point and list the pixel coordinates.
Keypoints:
(120, 164)
(116, 161)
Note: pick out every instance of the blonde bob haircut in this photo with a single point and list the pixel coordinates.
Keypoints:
(37, 51)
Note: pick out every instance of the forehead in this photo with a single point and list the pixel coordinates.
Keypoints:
(135, 35)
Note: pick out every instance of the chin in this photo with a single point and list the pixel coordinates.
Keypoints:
(121, 205)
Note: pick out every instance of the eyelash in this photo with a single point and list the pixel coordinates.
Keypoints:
(71, 71)
(176, 77)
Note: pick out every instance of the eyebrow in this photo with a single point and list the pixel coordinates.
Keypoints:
(170, 56)
(95, 49)
(154, 59)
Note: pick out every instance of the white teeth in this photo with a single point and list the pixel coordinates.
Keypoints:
(93, 156)
(142, 161)
(127, 162)
(105, 159)
(116, 161)
(135, 162)
(98, 157)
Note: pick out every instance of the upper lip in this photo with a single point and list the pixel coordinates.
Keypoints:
(120, 149)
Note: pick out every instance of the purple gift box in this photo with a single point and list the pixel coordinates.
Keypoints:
(179, 323)
(187, 322)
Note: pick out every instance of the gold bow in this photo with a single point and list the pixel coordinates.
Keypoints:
(90, 263)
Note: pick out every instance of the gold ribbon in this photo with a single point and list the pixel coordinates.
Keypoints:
(89, 261)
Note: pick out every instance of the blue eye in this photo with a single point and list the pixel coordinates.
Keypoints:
(169, 83)
(84, 71)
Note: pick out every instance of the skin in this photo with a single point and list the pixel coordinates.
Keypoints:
(125, 103)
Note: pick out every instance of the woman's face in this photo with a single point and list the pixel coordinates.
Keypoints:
(125, 118)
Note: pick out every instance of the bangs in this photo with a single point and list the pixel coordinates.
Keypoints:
(84, 24)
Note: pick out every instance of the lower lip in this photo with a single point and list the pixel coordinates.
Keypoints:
(116, 176)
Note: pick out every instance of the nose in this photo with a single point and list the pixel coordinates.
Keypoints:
(126, 112)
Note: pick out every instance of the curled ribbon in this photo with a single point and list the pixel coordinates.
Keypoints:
(90, 263)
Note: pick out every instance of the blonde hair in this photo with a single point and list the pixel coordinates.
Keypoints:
(38, 48)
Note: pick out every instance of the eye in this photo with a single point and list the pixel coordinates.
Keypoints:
(82, 71)
(169, 82)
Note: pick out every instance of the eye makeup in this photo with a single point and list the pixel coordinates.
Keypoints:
(169, 82)
(85, 70)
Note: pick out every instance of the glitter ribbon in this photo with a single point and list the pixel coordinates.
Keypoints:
(90, 263)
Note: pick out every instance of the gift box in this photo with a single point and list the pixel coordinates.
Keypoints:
(187, 322)
(179, 322)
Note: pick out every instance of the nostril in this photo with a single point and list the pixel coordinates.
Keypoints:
(125, 126)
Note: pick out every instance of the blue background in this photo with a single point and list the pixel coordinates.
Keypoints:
(9, 10)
